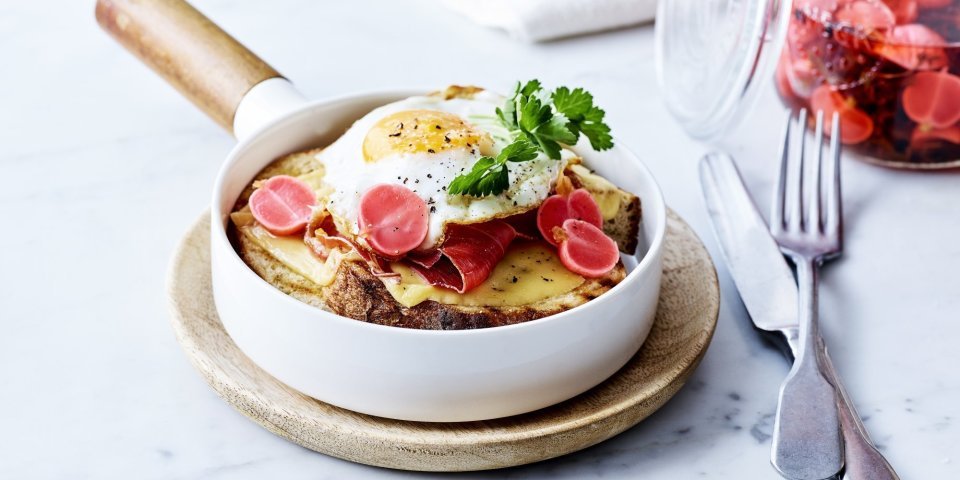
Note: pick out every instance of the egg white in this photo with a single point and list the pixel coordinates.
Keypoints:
(348, 176)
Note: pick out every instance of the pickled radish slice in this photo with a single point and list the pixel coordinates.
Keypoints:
(799, 74)
(866, 15)
(816, 7)
(933, 99)
(914, 47)
(584, 207)
(855, 125)
(552, 213)
(585, 249)
(904, 10)
(556, 209)
(924, 134)
(283, 204)
(933, 3)
(782, 82)
(393, 219)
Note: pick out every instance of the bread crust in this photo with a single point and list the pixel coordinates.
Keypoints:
(357, 293)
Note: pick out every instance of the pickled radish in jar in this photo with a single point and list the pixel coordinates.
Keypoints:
(933, 99)
(855, 125)
(914, 47)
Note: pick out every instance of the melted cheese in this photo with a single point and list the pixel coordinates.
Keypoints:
(289, 250)
(605, 193)
(530, 272)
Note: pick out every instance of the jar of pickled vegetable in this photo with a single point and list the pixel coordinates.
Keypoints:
(889, 68)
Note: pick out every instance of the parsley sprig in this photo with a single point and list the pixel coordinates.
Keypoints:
(537, 122)
(489, 176)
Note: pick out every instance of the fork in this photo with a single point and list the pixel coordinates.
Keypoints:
(807, 441)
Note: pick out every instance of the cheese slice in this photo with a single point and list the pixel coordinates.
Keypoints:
(528, 273)
(289, 250)
(295, 254)
(606, 194)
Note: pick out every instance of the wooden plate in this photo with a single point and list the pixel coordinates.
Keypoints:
(686, 317)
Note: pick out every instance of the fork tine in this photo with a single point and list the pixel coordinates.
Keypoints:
(780, 190)
(834, 214)
(795, 208)
(815, 195)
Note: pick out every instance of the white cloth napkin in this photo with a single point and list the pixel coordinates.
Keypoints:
(536, 20)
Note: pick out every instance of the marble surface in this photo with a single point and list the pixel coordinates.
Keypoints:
(105, 166)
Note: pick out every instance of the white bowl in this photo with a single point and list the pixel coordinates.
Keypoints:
(426, 375)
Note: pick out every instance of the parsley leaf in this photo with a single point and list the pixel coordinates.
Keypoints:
(537, 122)
(595, 130)
(583, 116)
(573, 104)
(489, 176)
(519, 151)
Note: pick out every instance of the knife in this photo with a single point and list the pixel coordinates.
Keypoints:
(769, 292)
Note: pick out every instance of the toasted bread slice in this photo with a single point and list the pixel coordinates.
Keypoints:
(357, 293)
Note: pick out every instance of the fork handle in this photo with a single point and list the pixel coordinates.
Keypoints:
(862, 460)
(807, 443)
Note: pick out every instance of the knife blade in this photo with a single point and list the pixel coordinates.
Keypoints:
(769, 293)
(756, 264)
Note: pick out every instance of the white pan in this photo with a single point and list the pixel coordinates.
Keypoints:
(422, 375)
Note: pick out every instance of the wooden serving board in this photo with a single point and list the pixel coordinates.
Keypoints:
(686, 317)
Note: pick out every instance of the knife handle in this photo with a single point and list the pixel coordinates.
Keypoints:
(862, 460)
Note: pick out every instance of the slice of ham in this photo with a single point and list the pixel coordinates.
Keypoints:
(468, 255)
(425, 258)
(322, 237)
(525, 224)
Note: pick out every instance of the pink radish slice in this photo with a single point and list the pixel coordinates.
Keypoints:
(866, 15)
(933, 3)
(585, 249)
(556, 209)
(815, 8)
(855, 125)
(933, 99)
(780, 76)
(283, 204)
(797, 75)
(392, 219)
(904, 10)
(923, 134)
(914, 47)
(583, 207)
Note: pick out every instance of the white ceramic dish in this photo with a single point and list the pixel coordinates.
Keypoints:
(415, 374)
(437, 376)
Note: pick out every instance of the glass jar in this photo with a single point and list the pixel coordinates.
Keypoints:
(890, 68)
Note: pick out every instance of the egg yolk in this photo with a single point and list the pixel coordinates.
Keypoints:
(418, 131)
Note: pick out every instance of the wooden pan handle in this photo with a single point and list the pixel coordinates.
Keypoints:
(193, 54)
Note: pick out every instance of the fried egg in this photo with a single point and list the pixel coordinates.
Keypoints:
(423, 143)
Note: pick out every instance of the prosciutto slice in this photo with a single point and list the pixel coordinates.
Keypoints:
(525, 224)
(322, 237)
(467, 256)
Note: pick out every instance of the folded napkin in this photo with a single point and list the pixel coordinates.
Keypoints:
(536, 20)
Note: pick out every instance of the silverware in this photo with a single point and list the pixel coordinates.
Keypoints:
(767, 288)
(807, 444)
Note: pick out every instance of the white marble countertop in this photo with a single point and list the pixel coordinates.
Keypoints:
(105, 166)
